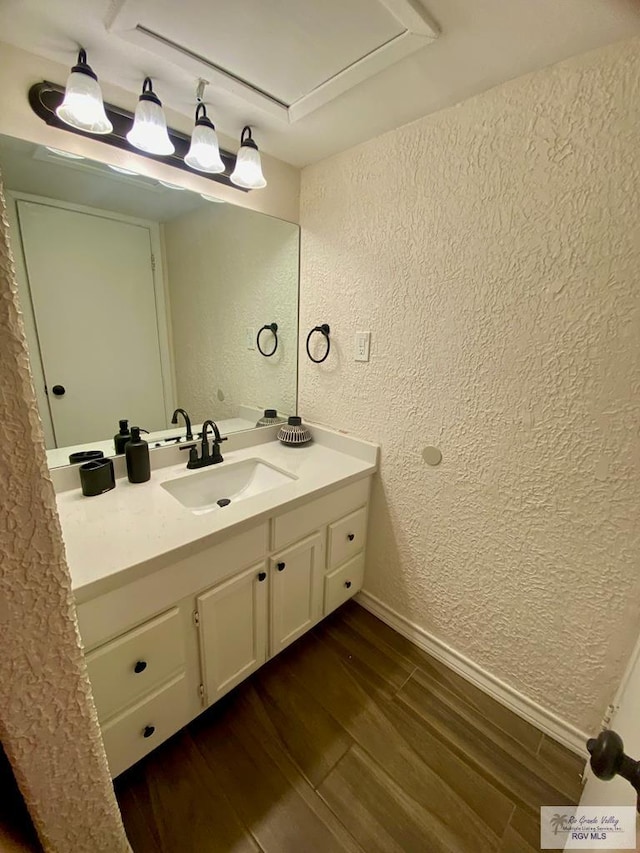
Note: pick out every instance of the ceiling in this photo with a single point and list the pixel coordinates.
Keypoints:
(314, 77)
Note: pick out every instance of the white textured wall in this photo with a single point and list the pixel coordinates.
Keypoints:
(493, 250)
(48, 722)
(229, 269)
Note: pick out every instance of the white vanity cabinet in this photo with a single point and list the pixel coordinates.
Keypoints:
(232, 621)
(296, 578)
(163, 647)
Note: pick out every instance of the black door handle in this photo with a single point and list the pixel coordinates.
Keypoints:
(351, 536)
(148, 731)
(140, 666)
(608, 760)
(262, 576)
(280, 567)
(347, 584)
(59, 390)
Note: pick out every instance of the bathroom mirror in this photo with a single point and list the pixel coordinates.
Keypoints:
(140, 297)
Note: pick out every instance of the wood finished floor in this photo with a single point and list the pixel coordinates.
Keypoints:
(353, 739)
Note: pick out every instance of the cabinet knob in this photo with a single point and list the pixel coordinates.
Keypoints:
(280, 567)
(262, 576)
(140, 666)
(351, 536)
(148, 731)
(347, 584)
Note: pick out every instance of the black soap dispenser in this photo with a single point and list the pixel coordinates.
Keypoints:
(137, 454)
(121, 438)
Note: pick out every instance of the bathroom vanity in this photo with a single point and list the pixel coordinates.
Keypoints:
(180, 599)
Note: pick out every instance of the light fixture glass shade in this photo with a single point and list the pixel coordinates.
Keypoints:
(204, 151)
(82, 106)
(149, 131)
(248, 170)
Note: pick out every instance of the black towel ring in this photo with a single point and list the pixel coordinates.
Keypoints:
(324, 330)
(269, 327)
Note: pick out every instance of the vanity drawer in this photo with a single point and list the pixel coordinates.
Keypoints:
(140, 729)
(346, 537)
(126, 668)
(344, 582)
(298, 523)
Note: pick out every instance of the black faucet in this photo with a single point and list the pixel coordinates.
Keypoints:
(205, 457)
(187, 420)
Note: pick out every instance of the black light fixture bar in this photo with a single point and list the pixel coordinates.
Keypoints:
(45, 97)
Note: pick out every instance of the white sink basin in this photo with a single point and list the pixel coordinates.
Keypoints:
(230, 482)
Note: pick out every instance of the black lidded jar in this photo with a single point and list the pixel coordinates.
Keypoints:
(121, 438)
(137, 454)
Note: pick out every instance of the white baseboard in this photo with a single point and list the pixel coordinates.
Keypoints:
(545, 720)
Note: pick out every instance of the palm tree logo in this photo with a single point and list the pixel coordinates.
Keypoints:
(557, 822)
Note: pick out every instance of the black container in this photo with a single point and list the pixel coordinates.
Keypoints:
(137, 453)
(85, 456)
(121, 438)
(97, 477)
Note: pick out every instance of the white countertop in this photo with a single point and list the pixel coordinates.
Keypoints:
(122, 534)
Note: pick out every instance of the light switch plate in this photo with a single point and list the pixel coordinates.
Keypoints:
(363, 344)
(250, 338)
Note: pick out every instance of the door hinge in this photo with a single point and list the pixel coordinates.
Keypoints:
(203, 701)
(608, 716)
(196, 618)
(153, 262)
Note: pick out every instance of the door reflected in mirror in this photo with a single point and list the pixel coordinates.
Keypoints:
(140, 297)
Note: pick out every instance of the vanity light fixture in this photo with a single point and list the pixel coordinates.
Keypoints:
(82, 106)
(248, 170)
(212, 199)
(204, 151)
(149, 131)
(170, 186)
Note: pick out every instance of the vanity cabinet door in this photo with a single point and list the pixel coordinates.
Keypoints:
(233, 630)
(296, 591)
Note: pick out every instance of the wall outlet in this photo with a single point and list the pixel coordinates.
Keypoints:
(250, 338)
(363, 343)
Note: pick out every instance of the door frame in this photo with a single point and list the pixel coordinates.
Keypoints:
(160, 290)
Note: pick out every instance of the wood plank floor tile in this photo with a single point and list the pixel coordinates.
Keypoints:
(375, 632)
(523, 833)
(315, 741)
(191, 813)
(249, 710)
(380, 670)
(384, 818)
(566, 766)
(280, 819)
(505, 763)
(488, 802)
(334, 687)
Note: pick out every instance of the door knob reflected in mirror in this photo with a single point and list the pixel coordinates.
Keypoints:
(59, 390)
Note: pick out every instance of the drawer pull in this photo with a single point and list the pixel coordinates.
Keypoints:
(140, 666)
(351, 536)
(148, 731)
(280, 567)
(262, 576)
(347, 584)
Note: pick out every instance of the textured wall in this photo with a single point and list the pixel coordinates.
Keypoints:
(229, 269)
(48, 724)
(494, 250)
